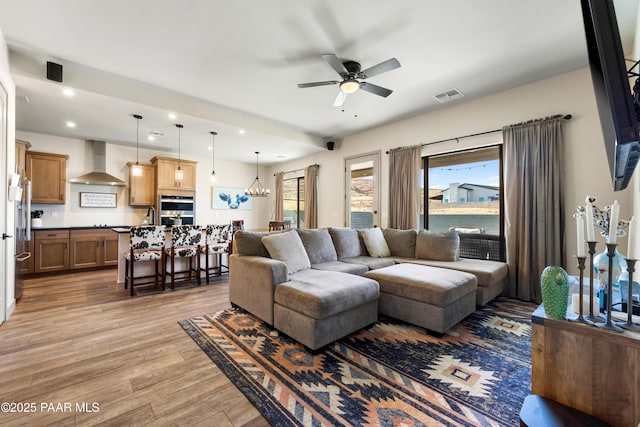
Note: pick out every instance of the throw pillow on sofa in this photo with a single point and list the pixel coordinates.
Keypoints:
(287, 247)
(402, 243)
(438, 246)
(375, 243)
(249, 243)
(318, 245)
(346, 242)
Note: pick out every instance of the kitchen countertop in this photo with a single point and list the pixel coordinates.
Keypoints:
(86, 227)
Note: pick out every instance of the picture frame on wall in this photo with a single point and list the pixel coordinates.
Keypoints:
(230, 198)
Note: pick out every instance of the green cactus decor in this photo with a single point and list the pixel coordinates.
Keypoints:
(555, 291)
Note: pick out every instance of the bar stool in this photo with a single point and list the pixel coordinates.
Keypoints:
(185, 244)
(217, 239)
(146, 243)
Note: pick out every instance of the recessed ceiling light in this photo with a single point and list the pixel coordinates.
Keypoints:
(173, 116)
(68, 92)
(71, 124)
(210, 148)
(281, 157)
(241, 131)
(151, 138)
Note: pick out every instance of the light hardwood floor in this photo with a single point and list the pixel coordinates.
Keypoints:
(74, 338)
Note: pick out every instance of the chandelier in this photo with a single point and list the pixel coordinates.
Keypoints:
(256, 189)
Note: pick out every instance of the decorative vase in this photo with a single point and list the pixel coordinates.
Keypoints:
(554, 282)
(601, 271)
(36, 222)
(177, 221)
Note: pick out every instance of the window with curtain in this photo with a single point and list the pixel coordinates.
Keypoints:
(294, 201)
(464, 191)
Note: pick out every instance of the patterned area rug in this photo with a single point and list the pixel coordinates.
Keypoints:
(391, 374)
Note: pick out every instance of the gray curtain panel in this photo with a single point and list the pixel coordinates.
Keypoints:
(534, 203)
(311, 196)
(404, 187)
(279, 211)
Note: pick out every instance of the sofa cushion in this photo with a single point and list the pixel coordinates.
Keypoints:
(374, 242)
(438, 246)
(343, 267)
(370, 262)
(249, 243)
(287, 247)
(318, 245)
(402, 243)
(320, 294)
(346, 242)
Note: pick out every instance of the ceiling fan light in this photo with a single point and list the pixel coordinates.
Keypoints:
(349, 86)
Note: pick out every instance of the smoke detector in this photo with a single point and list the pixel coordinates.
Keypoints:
(448, 95)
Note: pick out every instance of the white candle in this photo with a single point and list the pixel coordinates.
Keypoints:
(631, 250)
(613, 223)
(591, 234)
(580, 230)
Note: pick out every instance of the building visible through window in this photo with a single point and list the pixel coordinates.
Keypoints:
(464, 191)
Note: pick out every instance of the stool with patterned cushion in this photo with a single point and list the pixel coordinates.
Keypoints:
(146, 244)
(185, 244)
(217, 238)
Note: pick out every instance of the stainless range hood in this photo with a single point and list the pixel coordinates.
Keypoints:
(99, 176)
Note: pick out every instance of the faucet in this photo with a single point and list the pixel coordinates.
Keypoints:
(151, 210)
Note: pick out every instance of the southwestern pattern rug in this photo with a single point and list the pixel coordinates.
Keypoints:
(391, 374)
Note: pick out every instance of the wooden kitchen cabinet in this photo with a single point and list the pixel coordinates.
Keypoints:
(21, 161)
(166, 170)
(48, 175)
(142, 188)
(93, 248)
(51, 250)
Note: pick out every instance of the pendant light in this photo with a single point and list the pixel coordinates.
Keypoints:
(137, 169)
(256, 189)
(214, 179)
(179, 172)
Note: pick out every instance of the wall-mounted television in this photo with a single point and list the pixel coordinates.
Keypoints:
(611, 86)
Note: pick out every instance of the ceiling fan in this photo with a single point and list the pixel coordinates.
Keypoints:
(352, 75)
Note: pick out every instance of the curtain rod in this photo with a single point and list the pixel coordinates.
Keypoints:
(566, 117)
(296, 170)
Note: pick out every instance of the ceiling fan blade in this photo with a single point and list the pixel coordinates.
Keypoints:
(340, 99)
(335, 63)
(383, 67)
(314, 84)
(378, 90)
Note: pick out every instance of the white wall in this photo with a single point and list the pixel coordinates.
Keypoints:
(230, 174)
(586, 171)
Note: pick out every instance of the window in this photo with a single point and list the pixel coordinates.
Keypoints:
(294, 201)
(464, 191)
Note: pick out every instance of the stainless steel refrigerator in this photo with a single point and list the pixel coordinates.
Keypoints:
(23, 236)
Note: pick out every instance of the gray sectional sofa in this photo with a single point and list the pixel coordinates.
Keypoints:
(319, 285)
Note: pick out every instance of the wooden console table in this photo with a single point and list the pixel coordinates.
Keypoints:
(587, 368)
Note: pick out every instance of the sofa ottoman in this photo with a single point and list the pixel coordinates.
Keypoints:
(429, 297)
(318, 307)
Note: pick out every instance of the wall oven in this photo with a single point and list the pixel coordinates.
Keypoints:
(172, 206)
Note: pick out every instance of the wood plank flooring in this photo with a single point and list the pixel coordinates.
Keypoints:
(75, 339)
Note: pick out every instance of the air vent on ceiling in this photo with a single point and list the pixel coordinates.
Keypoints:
(449, 95)
(156, 134)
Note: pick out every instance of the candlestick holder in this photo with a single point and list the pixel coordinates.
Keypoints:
(611, 252)
(591, 317)
(580, 318)
(631, 268)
